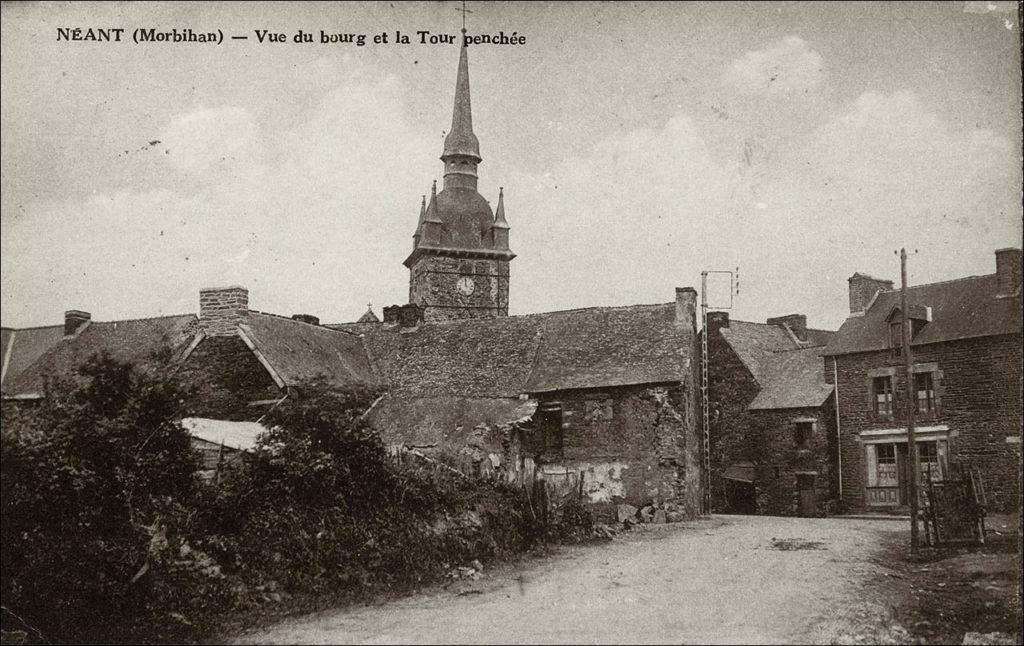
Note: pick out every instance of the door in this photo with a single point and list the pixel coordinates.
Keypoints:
(805, 490)
(883, 486)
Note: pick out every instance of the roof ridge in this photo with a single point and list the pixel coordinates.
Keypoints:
(592, 307)
(144, 318)
(939, 282)
(31, 327)
(301, 322)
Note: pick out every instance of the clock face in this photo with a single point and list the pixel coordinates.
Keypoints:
(465, 285)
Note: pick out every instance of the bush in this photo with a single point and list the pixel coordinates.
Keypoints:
(108, 535)
(89, 474)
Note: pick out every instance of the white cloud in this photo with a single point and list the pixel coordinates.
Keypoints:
(785, 67)
(197, 140)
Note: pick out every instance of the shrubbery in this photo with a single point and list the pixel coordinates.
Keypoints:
(107, 533)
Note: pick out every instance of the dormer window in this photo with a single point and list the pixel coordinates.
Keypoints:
(919, 317)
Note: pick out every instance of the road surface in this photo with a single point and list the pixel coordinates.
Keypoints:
(723, 579)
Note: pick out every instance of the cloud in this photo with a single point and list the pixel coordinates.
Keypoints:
(200, 139)
(785, 67)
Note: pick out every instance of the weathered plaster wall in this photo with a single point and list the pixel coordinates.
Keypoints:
(633, 444)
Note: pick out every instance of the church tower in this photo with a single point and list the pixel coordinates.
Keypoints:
(459, 265)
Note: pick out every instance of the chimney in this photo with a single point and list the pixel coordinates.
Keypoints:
(74, 320)
(797, 323)
(410, 315)
(862, 291)
(306, 318)
(391, 314)
(221, 309)
(1008, 271)
(686, 310)
(717, 321)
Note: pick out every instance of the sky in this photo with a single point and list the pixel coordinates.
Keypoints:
(638, 145)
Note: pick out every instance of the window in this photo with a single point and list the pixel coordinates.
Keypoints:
(802, 434)
(925, 387)
(883, 396)
(896, 335)
(549, 423)
(596, 410)
(886, 465)
(930, 459)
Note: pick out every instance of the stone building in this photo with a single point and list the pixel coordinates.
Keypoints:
(771, 414)
(966, 342)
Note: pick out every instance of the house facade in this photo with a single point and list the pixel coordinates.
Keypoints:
(965, 385)
(772, 417)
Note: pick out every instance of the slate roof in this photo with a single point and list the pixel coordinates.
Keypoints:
(297, 350)
(20, 348)
(789, 373)
(467, 358)
(507, 356)
(134, 340)
(754, 344)
(609, 346)
(961, 309)
(429, 421)
(794, 380)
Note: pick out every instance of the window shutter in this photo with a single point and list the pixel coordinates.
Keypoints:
(872, 465)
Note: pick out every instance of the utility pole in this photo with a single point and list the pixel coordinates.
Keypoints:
(705, 502)
(734, 289)
(908, 363)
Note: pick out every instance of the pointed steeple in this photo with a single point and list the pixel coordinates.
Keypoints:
(460, 139)
(499, 228)
(499, 214)
(419, 224)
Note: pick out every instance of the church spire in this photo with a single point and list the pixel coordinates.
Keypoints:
(461, 147)
(460, 139)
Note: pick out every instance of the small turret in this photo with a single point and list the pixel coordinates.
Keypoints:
(499, 230)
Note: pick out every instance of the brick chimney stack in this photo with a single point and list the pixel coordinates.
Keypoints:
(1008, 271)
(221, 309)
(797, 323)
(686, 310)
(862, 291)
(74, 320)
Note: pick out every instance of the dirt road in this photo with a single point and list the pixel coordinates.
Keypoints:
(725, 579)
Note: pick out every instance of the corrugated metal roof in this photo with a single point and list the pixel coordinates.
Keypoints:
(961, 309)
(235, 435)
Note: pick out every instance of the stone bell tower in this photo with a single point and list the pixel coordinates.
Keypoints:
(459, 265)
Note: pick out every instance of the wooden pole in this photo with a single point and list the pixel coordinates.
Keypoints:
(908, 363)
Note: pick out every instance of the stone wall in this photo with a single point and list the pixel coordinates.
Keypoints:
(227, 377)
(731, 388)
(633, 444)
(979, 391)
(433, 282)
(221, 309)
(772, 443)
